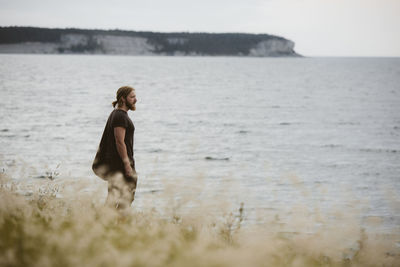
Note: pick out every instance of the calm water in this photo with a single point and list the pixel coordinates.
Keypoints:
(270, 132)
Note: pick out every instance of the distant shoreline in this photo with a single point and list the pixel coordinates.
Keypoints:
(34, 40)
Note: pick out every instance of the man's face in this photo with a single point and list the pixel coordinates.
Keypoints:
(131, 101)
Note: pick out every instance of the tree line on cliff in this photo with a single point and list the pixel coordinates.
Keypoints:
(201, 43)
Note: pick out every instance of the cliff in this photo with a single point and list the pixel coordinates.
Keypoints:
(58, 41)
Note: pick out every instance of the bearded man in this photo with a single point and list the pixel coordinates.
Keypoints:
(114, 160)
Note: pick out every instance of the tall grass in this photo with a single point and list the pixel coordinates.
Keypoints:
(42, 229)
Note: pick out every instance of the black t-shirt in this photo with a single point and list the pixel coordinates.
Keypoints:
(107, 154)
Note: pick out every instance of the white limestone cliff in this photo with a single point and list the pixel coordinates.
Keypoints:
(132, 45)
(273, 47)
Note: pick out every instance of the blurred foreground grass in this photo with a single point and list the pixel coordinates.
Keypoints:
(43, 230)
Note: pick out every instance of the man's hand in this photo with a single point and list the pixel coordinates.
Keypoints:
(128, 170)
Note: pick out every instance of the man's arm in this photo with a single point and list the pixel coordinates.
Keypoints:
(119, 133)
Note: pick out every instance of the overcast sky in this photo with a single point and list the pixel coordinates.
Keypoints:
(318, 27)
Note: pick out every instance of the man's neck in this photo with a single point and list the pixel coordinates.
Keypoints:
(124, 108)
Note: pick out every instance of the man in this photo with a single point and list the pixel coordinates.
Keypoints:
(114, 158)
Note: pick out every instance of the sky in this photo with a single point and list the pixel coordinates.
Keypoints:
(368, 28)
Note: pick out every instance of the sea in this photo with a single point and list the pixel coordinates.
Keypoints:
(276, 135)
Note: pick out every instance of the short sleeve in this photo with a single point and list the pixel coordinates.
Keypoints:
(119, 120)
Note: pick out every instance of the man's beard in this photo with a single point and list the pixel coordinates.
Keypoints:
(131, 106)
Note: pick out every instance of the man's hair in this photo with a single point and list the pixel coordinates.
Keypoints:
(122, 92)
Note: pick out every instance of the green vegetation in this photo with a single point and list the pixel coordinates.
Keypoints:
(164, 43)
